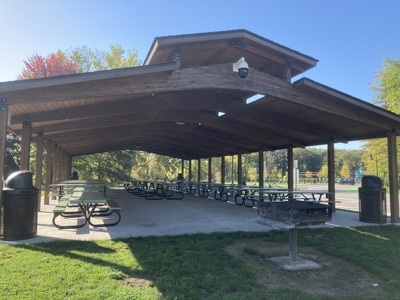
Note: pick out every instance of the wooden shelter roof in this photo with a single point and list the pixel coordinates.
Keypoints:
(188, 79)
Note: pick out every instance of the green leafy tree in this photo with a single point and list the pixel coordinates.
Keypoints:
(150, 166)
(113, 166)
(281, 162)
(270, 165)
(345, 171)
(387, 88)
(215, 169)
(88, 60)
(309, 159)
(13, 151)
(387, 85)
(352, 158)
(375, 158)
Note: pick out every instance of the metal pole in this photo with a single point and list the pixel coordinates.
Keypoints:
(293, 244)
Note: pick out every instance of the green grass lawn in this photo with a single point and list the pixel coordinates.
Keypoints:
(199, 266)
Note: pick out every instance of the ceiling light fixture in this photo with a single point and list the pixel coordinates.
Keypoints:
(180, 123)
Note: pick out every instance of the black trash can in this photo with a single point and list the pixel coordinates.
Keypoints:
(372, 200)
(19, 209)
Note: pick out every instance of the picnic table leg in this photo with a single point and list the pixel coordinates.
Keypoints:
(91, 214)
(67, 226)
(70, 226)
(241, 197)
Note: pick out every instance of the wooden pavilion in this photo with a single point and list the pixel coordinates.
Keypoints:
(186, 101)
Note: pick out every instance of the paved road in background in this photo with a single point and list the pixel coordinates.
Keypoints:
(346, 195)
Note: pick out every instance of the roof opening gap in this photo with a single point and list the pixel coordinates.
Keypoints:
(254, 98)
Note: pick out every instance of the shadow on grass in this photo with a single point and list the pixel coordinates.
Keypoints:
(197, 266)
(194, 266)
(81, 250)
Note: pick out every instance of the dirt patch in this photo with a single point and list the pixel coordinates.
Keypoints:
(336, 277)
(140, 282)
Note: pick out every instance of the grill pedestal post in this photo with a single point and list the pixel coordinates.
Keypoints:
(293, 244)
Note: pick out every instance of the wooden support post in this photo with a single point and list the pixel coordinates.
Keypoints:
(261, 170)
(25, 144)
(177, 52)
(331, 173)
(55, 164)
(3, 135)
(183, 168)
(393, 176)
(288, 71)
(222, 169)
(65, 166)
(64, 174)
(69, 166)
(59, 157)
(291, 169)
(39, 165)
(62, 166)
(48, 180)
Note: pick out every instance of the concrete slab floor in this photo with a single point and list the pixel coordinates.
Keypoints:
(193, 214)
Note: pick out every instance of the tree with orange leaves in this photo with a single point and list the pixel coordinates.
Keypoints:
(55, 64)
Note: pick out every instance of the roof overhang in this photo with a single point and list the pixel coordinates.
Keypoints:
(141, 107)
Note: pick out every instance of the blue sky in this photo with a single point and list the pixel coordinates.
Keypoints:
(350, 38)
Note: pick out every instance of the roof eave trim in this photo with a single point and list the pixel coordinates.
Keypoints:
(208, 36)
(86, 77)
(345, 97)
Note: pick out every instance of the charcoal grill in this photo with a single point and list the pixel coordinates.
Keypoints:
(295, 214)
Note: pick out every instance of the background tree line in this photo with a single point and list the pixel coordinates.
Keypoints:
(120, 166)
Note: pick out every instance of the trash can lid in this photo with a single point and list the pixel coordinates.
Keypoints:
(371, 181)
(20, 180)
